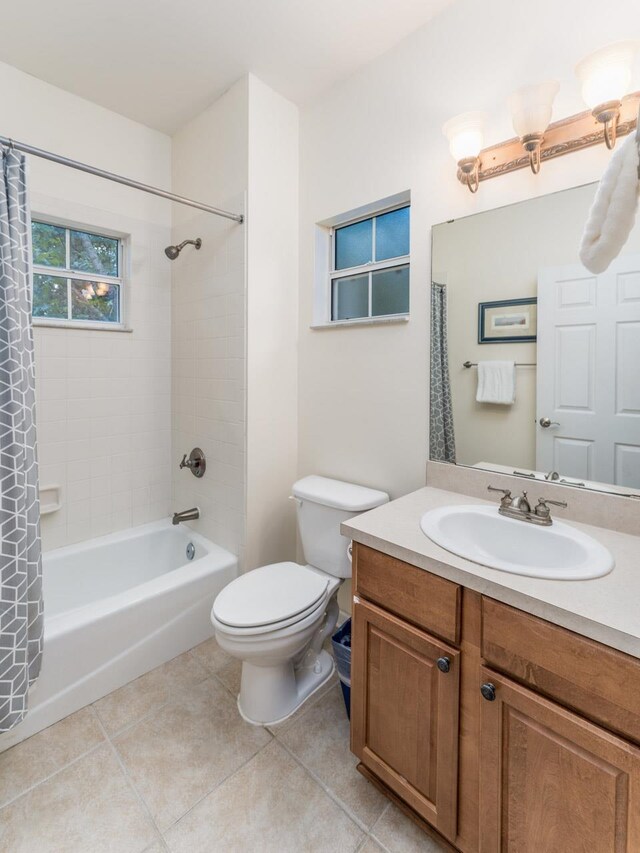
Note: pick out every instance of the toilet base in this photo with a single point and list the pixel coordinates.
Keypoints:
(271, 694)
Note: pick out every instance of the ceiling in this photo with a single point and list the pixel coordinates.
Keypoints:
(161, 63)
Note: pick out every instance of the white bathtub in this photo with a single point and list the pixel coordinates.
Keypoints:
(115, 608)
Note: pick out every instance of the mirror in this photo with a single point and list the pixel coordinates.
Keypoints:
(507, 286)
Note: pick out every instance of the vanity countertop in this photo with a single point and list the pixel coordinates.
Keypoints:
(607, 609)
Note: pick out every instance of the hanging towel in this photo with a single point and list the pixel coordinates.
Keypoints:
(614, 208)
(496, 382)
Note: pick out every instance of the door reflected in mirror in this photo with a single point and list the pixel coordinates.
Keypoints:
(535, 361)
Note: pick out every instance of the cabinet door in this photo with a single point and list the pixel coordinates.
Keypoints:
(404, 712)
(551, 781)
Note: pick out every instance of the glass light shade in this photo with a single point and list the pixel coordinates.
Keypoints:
(465, 135)
(531, 107)
(606, 74)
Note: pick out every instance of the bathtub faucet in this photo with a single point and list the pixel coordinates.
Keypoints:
(186, 515)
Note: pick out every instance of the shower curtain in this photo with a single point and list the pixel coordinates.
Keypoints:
(442, 444)
(21, 610)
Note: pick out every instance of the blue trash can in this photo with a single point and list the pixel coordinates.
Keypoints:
(341, 643)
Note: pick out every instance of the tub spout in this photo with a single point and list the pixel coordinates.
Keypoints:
(186, 515)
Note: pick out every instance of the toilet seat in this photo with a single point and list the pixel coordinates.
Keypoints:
(270, 598)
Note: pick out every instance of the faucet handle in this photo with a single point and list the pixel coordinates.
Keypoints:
(505, 500)
(545, 501)
(186, 463)
(542, 507)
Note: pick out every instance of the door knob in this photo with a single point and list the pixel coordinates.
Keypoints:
(488, 691)
(545, 423)
(443, 664)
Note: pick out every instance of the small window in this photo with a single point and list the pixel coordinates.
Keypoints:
(369, 276)
(77, 276)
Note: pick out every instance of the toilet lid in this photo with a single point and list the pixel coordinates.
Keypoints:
(269, 595)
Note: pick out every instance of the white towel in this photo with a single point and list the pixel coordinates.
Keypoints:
(496, 382)
(613, 211)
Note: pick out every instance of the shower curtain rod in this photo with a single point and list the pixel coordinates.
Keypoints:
(118, 179)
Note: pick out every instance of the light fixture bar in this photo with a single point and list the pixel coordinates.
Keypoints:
(562, 137)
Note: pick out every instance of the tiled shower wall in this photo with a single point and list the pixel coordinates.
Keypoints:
(208, 372)
(103, 397)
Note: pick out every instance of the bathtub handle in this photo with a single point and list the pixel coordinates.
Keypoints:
(195, 462)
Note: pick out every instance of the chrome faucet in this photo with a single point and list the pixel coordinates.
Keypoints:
(520, 508)
(186, 515)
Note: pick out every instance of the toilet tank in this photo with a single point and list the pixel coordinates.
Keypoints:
(323, 504)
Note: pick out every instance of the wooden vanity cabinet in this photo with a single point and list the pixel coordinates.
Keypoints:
(552, 781)
(526, 740)
(404, 719)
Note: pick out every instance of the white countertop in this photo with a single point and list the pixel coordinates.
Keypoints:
(606, 609)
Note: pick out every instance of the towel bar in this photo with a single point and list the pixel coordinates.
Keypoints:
(518, 364)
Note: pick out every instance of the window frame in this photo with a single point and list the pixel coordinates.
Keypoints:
(74, 275)
(326, 273)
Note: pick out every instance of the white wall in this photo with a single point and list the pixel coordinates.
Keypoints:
(363, 391)
(272, 323)
(210, 163)
(103, 398)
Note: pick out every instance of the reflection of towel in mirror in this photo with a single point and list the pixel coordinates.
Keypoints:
(613, 211)
(496, 382)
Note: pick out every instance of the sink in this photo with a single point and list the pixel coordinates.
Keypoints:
(480, 534)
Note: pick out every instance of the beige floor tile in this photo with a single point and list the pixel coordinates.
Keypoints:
(371, 846)
(44, 753)
(280, 728)
(271, 805)
(180, 753)
(229, 675)
(137, 698)
(320, 739)
(398, 834)
(211, 655)
(88, 806)
(158, 847)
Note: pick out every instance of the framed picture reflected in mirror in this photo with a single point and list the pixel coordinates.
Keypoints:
(508, 321)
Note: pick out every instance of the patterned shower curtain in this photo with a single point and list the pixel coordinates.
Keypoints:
(442, 443)
(21, 611)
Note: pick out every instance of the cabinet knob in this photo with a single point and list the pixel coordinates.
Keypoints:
(444, 664)
(488, 691)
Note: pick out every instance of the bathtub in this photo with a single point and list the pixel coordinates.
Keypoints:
(115, 608)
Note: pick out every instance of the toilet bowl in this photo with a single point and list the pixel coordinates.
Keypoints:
(282, 655)
(276, 618)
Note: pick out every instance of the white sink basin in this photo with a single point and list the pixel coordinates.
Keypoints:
(482, 535)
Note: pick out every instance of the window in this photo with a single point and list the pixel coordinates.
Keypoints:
(77, 276)
(369, 275)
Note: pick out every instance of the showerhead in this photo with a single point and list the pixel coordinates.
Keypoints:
(172, 252)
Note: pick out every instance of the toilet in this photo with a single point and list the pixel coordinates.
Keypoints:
(275, 619)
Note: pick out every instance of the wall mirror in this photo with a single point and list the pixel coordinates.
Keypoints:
(507, 286)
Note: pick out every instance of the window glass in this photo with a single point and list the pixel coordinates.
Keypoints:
(49, 245)
(392, 234)
(390, 291)
(350, 297)
(93, 254)
(79, 290)
(96, 301)
(353, 244)
(50, 296)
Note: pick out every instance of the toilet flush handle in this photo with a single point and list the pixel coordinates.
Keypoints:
(294, 498)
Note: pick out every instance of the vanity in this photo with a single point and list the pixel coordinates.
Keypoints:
(501, 711)
(495, 684)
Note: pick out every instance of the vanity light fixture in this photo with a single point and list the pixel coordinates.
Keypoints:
(605, 76)
(465, 135)
(531, 113)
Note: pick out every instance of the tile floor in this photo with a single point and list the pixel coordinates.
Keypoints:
(165, 763)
